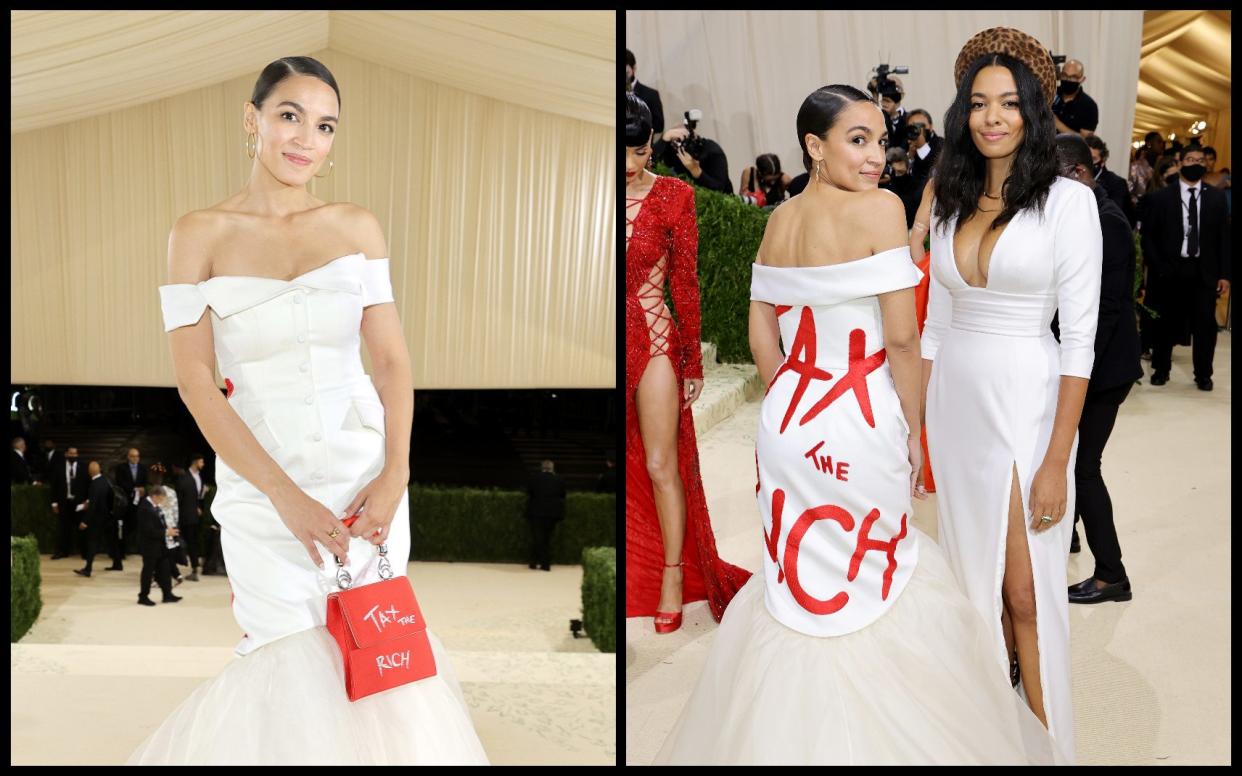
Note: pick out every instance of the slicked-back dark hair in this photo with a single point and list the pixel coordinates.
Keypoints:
(637, 121)
(1094, 141)
(820, 110)
(961, 169)
(283, 68)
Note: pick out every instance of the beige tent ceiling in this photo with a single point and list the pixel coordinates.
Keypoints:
(1184, 74)
(69, 65)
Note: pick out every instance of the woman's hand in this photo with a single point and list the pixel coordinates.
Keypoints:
(693, 389)
(378, 503)
(1048, 497)
(914, 446)
(310, 522)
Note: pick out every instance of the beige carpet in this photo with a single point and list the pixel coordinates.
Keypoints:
(1151, 676)
(98, 673)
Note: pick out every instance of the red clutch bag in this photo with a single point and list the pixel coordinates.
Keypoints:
(380, 631)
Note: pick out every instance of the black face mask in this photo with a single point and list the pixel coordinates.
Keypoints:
(1068, 88)
(1097, 167)
(1193, 172)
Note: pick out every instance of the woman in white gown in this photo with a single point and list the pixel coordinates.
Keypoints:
(304, 437)
(1010, 244)
(855, 645)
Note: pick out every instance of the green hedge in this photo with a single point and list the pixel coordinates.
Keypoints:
(599, 596)
(447, 524)
(729, 235)
(25, 603)
(473, 524)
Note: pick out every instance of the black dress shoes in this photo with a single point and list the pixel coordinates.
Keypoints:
(146, 602)
(82, 572)
(1159, 378)
(1204, 385)
(171, 599)
(114, 568)
(1089, 591)
(1074, 545)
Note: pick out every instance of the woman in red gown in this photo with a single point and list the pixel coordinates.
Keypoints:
(670, 552)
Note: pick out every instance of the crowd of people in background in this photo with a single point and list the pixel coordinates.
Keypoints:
(1184, 267)
(142, 509)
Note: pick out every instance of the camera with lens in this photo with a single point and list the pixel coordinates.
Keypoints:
(884, 86)
(692, 144)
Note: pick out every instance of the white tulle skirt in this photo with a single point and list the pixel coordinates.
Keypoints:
(285, 704)
(917, 686)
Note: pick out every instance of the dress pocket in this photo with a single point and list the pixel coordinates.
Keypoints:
(263, 433)
(363, 416)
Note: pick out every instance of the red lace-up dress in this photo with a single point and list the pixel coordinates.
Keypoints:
(661, 242)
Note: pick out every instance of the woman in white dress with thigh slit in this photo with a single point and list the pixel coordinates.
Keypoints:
(1010, 243)
(304, 437)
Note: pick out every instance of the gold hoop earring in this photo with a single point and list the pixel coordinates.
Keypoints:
(252, 143)
(330, 166)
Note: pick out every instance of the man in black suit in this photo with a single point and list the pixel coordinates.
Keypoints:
(1113, 374)
(131, 476)
(47, 462)
(97, 518)
(544, 509)
(1112, 183)
(19, 468)
(1185, 237)
(69, 487)
(645, 93)
(153, 536)
(188, 512)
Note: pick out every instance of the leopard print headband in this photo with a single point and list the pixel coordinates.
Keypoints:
(1015, 43)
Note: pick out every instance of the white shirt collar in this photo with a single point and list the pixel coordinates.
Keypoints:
(97, 476)
(1187, 186)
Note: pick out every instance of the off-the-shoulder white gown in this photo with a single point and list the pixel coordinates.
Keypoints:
(991, 403)
(291, 352)
(855, 646)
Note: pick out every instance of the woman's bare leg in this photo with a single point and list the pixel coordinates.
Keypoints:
(658, 406)
(1019, 599)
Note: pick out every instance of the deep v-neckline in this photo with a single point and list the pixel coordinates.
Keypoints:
(632, 223)
(953, 251)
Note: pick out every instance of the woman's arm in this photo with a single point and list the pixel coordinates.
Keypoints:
(765, 338)
(193, 354)
(897, 313)
(745, 179)
(922, 221)
(684, 282)
(390, 358)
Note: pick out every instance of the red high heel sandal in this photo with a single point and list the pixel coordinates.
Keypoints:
(667, 622)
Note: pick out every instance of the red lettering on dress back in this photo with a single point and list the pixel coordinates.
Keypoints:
(867, 544)
(855, 379)
(804, 346)
(769, 541)
(793, 546)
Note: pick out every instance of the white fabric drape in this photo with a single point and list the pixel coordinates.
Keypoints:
(68, 65)
(749, 71)
(500, 222)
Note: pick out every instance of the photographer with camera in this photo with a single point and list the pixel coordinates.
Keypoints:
(764, 184)
(923, 145)
(888, 91)
(689, 153)
(897, 179)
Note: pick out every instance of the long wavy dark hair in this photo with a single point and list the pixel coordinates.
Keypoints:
(960, 172)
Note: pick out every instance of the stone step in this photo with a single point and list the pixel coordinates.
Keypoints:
(725, 388)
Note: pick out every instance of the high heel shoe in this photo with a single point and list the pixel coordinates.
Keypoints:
(667, 622)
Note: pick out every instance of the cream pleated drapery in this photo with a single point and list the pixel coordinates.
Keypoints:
(749, 71)
(1185, 76)
(499, 215)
